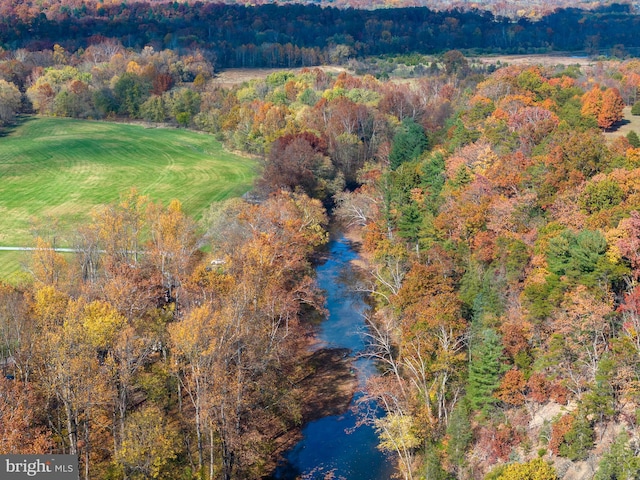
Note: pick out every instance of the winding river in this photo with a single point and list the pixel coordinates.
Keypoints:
(335, 447)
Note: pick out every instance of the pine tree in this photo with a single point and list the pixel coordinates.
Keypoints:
(408, 144)
(410, 222)
(619, 461)
(633, 138)
(485, 370)
(460, 434)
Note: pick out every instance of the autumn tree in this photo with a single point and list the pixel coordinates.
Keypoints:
(20, 420)
(536, 469)
(10, 101)
(149, 446)
(172, 245)
(300, 161)
(606, 106)
(199, 343)
(66, 360)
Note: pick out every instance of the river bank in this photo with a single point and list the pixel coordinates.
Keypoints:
(339, 445)
(327, 389)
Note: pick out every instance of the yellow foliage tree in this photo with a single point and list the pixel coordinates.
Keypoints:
(102, 323)
(536, 469)
(149, 445)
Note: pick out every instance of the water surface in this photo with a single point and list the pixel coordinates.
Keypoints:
(335, 445)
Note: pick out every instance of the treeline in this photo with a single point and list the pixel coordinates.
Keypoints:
(296, 35)
(504, 273)
(147, 358)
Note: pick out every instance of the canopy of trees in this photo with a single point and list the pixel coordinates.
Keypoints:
(501, 230)
(302, 35)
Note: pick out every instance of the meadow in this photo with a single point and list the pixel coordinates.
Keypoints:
(57, 170)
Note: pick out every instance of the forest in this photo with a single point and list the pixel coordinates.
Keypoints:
(497, 212)
(305, 35)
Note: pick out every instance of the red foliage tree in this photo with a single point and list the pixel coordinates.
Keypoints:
(512, 387)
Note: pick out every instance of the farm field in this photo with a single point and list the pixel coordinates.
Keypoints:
(54, 168)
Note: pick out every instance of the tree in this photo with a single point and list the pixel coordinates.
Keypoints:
(293, 162)
(172, 244)
(620, 462)
(149, 445)
(512, 387)
(71, 373)
(485, 370)
(455, 63)
(409, 224)
(197, 347)
(606, 106)
(48, 266)
(10, 101)
(54, 81)
(184, 104)
(580, 257)
(154, 109)
(578, 440)
(119, 228)
(601, 195)
(397, 435)
(20, 408)
(459, 434)
(633, 138)
(635, 110)
(536, 469)
(612, 108)
(130, 91)
(408, 143)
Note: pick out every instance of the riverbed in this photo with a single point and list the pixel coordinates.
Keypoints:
(336, 446)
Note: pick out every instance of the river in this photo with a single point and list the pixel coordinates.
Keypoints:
(335, 447)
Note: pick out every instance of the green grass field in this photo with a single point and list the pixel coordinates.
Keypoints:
(54, 168)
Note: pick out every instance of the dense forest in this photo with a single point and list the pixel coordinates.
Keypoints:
(498, 216)
(298, 35)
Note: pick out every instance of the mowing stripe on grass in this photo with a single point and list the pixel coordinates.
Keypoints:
(63, 168)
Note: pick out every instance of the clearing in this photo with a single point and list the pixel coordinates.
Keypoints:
(58, 169)
(628, 123)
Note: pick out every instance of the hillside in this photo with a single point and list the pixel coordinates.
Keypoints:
(63, 169)
(496, 204)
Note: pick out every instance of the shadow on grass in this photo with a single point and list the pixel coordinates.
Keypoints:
(621, 123)
(13, 126)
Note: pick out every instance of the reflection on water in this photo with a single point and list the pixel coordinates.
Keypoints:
(336, 447)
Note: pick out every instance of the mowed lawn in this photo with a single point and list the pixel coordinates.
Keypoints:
(54, 168)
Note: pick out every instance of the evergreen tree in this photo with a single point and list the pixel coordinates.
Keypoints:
(485, 370)
(460, 435)
(433, 178)
(433, 466)
(579, 440)
(600, 400)
(409, 224)
(408, 144)
(633, 138)
(635, 110)
(619, 462)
